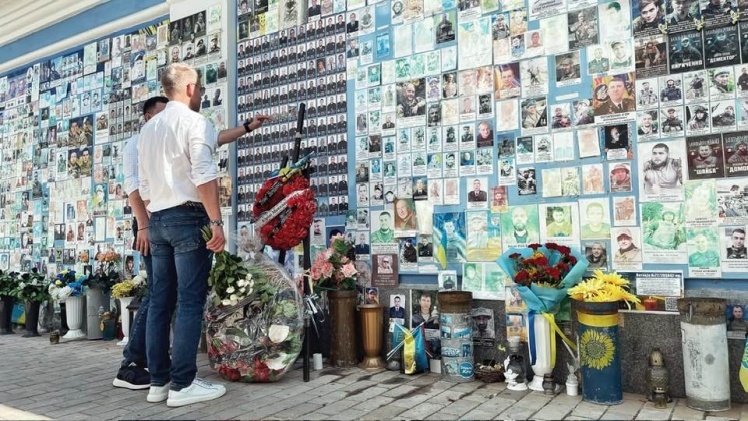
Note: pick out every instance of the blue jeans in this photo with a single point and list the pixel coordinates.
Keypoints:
(135, 349)
(181, 264)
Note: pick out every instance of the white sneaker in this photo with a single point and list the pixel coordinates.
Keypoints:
(199, 391)
(158, 393)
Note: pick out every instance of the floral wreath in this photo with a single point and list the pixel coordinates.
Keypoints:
(291, 221)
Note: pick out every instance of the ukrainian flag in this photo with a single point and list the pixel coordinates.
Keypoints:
(440, 246)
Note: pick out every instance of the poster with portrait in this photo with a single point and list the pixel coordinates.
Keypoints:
(484, 329)
(661, 170)
(614, 98)
(397, 310)
(559, 223)
(705, 157)
(449, 233)
(627, 252)
(686, 51)
(664, 232)
(721, 46)
(733, 252)
(736, 154)
(385, 271)
(737, 320)
(424, 313)
(703, 252)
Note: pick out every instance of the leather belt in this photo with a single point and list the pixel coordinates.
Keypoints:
(194, 205)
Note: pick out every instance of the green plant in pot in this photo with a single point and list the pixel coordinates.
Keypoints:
(32, 290)
(8, 295)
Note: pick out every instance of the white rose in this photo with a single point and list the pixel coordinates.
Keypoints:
(234, 302)
(278, 333)
(234, 297)
(22, 285)
(230, 290)
(242, 290)
(241, 283)
(277, 362)
(143, 274)
(226, 302)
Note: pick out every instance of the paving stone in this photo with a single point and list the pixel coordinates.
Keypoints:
(589, 410)
(337, 407)
(553, 411)
(400, 391)
(477, 414)
(459, 408)
(516, 413)
(384, 413)
(296, 411)
(373, 403)
(421, 411)
(733, 413)
(650, 412)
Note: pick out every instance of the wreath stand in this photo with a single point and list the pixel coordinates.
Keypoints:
(307, 263)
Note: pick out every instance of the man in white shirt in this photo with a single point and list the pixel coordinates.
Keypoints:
(178, 184)
(132, 374)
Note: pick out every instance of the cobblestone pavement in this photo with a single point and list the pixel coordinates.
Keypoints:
(74, 381)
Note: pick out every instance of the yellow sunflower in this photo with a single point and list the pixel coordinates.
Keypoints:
(597, 349)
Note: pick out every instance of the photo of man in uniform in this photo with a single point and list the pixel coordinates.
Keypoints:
(737, 250)
(618, 100)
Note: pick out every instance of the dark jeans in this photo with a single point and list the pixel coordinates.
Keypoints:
(181, 264)
(135, 349)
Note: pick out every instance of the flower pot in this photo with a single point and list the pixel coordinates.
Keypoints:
(343, 321)
(539, 343)
(456, 336)
(95, 300)
(6, 323)
(32, 319)
(372, 326)
(63, 318)
(75, 312)
(600, 359)
(125, 318)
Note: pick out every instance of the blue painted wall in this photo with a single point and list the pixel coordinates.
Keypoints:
(90, 19)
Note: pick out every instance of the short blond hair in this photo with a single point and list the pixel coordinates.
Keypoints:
(177, 76)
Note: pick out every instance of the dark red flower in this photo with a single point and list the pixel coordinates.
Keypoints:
(534, 246)
(554, 273)
(514, 256)
(564, 249)
(229, 373)
(551, 246)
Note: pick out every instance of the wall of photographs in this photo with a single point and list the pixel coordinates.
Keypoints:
(64, 123)
(306, 63)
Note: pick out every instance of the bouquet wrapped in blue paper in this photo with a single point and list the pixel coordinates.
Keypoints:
(543, 274)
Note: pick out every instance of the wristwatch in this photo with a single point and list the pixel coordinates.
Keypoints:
(247, 123)
(217, 222)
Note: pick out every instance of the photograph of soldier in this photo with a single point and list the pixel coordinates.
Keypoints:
(567, 68)
(705, 157)
(670, 89)
(695, 83)
(651, 12)
(651, 59)
(717, 12)
(614, 94)
(721, 83)
(620, 178)
(616, 137)
(736, 154)
(582, 28)
(723, 116)
(410, 98)
(686, 51)
(598, 63)
(680, 15)
(507, 80)
(596, 254)
(444, 31)
(526, 182)
(583, 113)
(698, 119)
(647, 125)
(662, 174)
(646, 93)
(534, 114)
(621, 53)
(737, 249)
(721, 46)
(671, 122)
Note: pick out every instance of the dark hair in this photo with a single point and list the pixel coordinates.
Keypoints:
(150, 103)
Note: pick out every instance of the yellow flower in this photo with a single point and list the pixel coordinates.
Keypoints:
(610, 278)
(597, 349)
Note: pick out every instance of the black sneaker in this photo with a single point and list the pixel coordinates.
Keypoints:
(132, 377)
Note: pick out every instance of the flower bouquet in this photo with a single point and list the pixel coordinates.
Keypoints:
(254, 320)
(604, 288)
(66, 284)
(543, 274)
(135, 287)
(334, 269)
(8, 284)
(106, 274)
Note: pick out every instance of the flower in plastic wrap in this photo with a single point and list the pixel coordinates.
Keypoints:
(255, 319)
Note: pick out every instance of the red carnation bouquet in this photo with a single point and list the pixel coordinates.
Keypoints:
(284, 211)
(543, 273)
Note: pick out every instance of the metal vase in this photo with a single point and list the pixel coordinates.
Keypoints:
(372, 327)
(6, 317)
(32, 319)
(343, 335)
(600, 356)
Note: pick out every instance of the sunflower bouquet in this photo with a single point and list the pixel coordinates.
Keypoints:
(604, 288)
